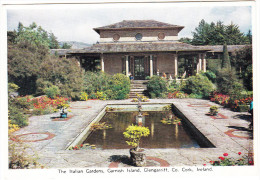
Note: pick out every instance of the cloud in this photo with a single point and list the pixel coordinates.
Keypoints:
(77, 23)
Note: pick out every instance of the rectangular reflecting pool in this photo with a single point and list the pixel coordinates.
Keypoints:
(166, 131)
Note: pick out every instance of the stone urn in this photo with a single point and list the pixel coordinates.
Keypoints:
(138, 157)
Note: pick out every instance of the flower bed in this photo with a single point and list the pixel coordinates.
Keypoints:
(220, 99)
(177, 94)
(228, 161)
(240, 105)
(43, 104)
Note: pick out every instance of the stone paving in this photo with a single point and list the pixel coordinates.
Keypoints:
(50, 137)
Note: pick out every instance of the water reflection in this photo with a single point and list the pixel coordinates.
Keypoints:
(162, 135)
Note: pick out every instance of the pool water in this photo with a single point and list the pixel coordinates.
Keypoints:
(161, 135)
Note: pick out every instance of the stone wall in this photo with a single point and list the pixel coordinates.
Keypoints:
(132, 33)
(165, 63)
(112, 63)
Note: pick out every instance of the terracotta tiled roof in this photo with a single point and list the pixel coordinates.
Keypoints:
(138, 24)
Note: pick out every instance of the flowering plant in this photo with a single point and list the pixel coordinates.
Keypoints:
(213, 110)
(177, 94)
(227, 161)
(101, 95)
(83, 96)
(244, 101)
(220, 99)
(62, 104)
(134, 134)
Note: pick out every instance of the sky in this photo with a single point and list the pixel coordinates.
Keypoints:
(76, 23)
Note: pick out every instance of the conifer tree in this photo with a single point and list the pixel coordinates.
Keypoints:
(226, 60)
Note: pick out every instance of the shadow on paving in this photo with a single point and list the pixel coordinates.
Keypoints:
(243, 117)
(120, 158)
(249, 132)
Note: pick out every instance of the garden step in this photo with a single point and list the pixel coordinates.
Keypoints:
(139, 81)
(139, 87)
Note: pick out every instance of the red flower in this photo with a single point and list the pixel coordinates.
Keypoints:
(211, 162)
(81, 145)
(204, 164)
(239, 153)
(225, 154)
(221, 158)
(250, 162)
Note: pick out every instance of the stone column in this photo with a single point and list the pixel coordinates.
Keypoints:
(199, 63)
(102, 62)
(204, 62)
(126, 65)
(193, 65)
(151, 65)
(175, 65)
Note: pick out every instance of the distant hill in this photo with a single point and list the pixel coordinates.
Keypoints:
(75, 44)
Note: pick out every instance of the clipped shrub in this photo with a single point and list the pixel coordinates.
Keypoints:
(195, 96)
(17, 115)
(95, 81)
(227, 82)
(52, 91)
(103, 86)
(120, 86)
(210, 75)
(248, 78)
(17, 108)
(214, 65)
(41, 85)
(12, 88)
(157, 87)
(199, 85)
(64, 73)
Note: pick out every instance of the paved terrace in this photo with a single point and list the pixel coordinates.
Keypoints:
(49, 136)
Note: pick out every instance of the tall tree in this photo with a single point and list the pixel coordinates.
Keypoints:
(53, 44)
(233, 35)
(226, 60)
(249, 36)
(200, 34)
(215, 34)
(66, 46)
(27, 49)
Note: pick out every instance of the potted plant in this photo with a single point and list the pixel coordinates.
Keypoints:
(213, 110)
(63, 106)
(134, 134)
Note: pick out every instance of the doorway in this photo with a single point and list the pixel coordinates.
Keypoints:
(139, 73)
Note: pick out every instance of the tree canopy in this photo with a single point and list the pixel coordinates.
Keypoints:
(33, 68)
(217, 34)
(34, 35)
